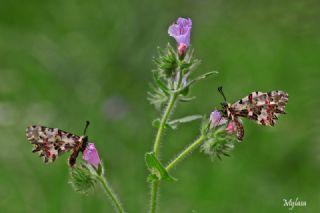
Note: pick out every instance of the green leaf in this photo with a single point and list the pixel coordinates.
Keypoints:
(184, 67)
(186, 99)
(157, 97)
(100, 169)
(189, 66)
(205, 125)
(158, 170)
(185, 91)
(166, 62)
(201, 77)
(204, 76)
(156, 123)
(160, 83)
(174, 123)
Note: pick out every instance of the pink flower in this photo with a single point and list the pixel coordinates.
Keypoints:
(91, 156)
(181, 32)
(231, 127)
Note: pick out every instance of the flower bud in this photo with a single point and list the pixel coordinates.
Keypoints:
(82, 179)
(91, 156)
(216, 119)
(182, 49)
(231, 127)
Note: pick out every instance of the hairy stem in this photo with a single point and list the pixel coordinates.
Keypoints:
(186, 152)
(163, 122)
(164, 119)
(113, 198)
(154, 196)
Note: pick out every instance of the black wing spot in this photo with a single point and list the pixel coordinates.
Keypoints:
(60, 151)
(36, 149)
(244, 112)
(254, 116)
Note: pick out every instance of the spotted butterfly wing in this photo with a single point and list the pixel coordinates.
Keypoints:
(263, 108)
(50, 143)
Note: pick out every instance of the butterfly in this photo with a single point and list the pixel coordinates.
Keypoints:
(263, 108)
(50, 143)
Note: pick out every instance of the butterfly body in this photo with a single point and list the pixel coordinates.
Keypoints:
(263, 108)
(50, 143)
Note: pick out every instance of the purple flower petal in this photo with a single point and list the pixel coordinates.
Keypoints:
(185, 22)
(216, 119)
(181, 31)
(91, 156)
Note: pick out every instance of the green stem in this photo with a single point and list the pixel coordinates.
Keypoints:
(185, 152)
(164, 119)
(154, 196)
(163, 122)
(114, 200)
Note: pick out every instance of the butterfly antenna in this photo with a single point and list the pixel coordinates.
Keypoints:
(86, 127)
(221, 92)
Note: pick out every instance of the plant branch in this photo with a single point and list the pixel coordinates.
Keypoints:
(186, 152)
(164, 119)
(163, 122)
(166, 114)
(113, 198)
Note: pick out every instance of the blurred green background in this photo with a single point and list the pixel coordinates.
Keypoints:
(64, 62)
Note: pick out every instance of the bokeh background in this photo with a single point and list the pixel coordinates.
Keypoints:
(64, 62)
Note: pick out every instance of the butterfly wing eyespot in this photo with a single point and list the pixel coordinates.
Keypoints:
(50, 143)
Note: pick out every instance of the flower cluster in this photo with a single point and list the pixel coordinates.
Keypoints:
(173, 78)
(175, 67)
(220, 136)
